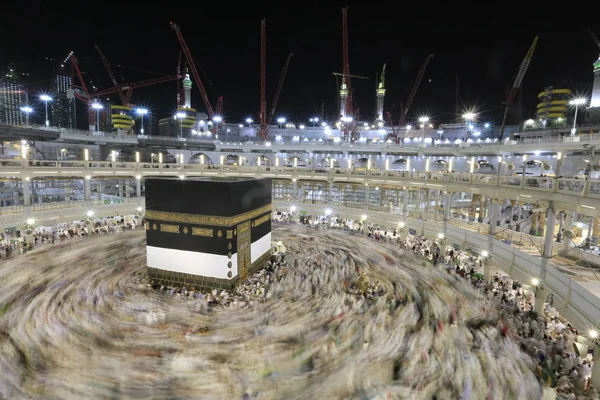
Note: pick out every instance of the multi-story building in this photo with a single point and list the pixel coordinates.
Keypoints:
(13, 96)
(63, 103)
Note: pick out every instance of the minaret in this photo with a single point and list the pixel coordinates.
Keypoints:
(380, 95)
(595, 102)
(187, 90)
(343, 97)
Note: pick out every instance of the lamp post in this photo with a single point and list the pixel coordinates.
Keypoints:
(281, 121)
(217, 120)
(142, 112)
(97, 107)
(180, 116)
(576, 103)
(469, 117)
(27, 110)
(45, 98)
(423, 121)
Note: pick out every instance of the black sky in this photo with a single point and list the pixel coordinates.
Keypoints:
(483, 49)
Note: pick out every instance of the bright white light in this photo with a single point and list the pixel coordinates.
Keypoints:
(366, 124)
(139, 209)
(97, 106)
(281, 120)
(249, 120)
(181, 176)
(401, 224)
(323, 124)
(90, 213)
(301, 127)
(346, 119)
(593, 334)
(380, 124)
(424, 119)
(469, 116)
(440, 235)
(30, 221)
(218, 118)
(180, 115)
(293, 208)
(363, 217)
(408, 127)
(27, 110)
(535, 281)
(486, 125)
(316, 119)
(241, 126)
(484, 253)
(45, 97)
(578, 102)
(141, 111)
(328, 211)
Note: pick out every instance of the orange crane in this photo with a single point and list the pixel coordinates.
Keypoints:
(394, 135)
(516, 85)
(279, 87)
(192, 66)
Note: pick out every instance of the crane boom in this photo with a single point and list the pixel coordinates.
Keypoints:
(350, 75)
(279, 87)
(263, 80)
(594, 37)
(192, 65)
(414, 89)
(111, 74)
(516, 85)
(134, 85)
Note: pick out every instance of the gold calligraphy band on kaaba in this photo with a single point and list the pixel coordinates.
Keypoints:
(262, 220)
(169, 228)
(206, 232)
(205, 219)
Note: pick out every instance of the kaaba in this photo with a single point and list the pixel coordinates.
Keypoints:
(206, 233)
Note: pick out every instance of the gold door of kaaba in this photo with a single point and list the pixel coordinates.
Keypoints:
(243, 249)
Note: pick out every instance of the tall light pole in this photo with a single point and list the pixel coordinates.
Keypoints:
(423, 121)
(27, 110)
(218, 119)
(469, 117)
(97, 107)
(281, 121)
(45, 98)
(180, 116)
(142, 112)
(576, 103)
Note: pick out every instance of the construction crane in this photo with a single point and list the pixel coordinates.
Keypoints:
(346, 84)
(111, 74)
(411, 97)
(349, 75)
(263, 81)
(516, 85)
(279, 87)
(190, 60)
(594, 37)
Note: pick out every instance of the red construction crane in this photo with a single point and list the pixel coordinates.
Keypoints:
(394, 135)
(263, 81)
(516, 85)
(110, 73)
(192, 66)
(279, 87)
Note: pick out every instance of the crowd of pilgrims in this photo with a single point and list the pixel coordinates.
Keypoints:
(324, 270)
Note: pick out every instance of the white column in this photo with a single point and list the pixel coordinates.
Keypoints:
(596, 365)
(138, 188)
(540, 297)
(405, 202)
(494, 213)
(566, 226)
(367, 197)
(26, 192)
(447, 204)
(120, 188)
(87, 189)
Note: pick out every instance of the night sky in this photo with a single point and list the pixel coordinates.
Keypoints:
(484, 51)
